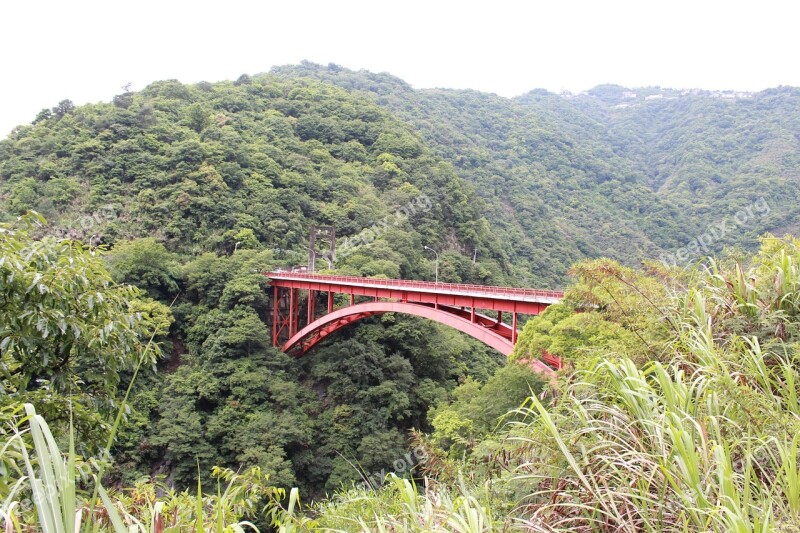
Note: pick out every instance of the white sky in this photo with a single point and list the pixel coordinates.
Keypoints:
(86, 50)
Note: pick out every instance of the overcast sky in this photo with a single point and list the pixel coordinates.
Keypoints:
(86, 50)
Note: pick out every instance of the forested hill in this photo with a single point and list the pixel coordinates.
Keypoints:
(192, 190)
(612, 172)
(137, 319)
(619, 172)
(197, 189)
(255, 161)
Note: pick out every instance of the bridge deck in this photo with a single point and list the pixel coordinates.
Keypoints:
(530, 301)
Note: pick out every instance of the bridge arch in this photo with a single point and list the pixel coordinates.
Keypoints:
(312, 334)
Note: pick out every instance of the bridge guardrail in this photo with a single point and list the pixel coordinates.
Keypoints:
(456, 287)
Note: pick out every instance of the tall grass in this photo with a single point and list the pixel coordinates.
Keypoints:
(706, 442)
(399, 506)
(51, 481)
(655, 451)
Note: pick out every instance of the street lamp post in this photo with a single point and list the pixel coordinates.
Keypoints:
(437, 261)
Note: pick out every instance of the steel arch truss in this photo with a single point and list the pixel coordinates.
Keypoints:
(489, 331)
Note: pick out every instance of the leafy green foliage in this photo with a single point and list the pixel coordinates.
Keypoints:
(478, 410)
(67, 331)
(686, 385)
(568, 178)
(146, 263)
(610, 309)
(216, 168)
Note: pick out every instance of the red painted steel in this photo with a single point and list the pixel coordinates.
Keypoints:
(453, 304)
(552, 360)
(363, 310)
(427, 285)
(281, 314)
(514, 329)
(275, 315)
(293, 304)
(312, 334)
(311, 306)
(487, 322)
(526, 301)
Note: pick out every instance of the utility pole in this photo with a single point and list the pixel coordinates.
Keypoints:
(437, 261)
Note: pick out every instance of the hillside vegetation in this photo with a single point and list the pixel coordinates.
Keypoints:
(569, 178)
(135, 315)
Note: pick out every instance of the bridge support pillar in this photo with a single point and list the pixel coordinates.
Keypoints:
(285, 314)
(293, 316)
(330, 302)
(275, 293)
(514, 328)
(312, 306)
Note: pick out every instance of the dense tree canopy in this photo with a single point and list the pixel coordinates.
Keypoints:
(565, 178)
(183, 195)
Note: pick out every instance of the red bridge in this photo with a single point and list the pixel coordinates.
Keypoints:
(453, 304)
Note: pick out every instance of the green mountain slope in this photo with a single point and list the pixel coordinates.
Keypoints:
(560, 178)
(196, 188)
(606, 174)
(197, 165)
(715, 155)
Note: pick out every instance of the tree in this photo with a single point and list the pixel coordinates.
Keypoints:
(44, 114)
(63, 107)
(62, 191)
(198, 118)
(67, 331)
(124, 100)
(23, 196)
(479, 410)
(244, 79)
(147, 264)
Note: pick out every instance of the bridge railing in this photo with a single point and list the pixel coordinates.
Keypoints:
(425, 285)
